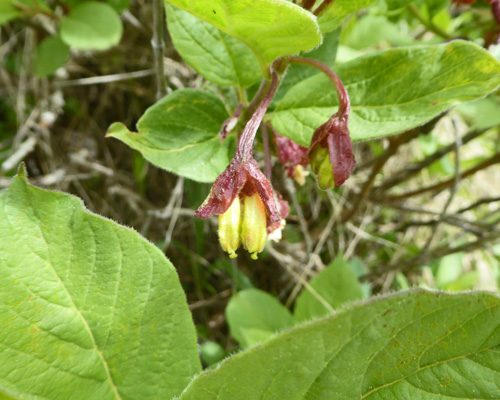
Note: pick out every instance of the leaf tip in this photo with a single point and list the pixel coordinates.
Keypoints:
(116, 130)
(22, 173)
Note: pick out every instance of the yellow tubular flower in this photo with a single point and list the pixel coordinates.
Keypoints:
(254, 226)
(230, 228)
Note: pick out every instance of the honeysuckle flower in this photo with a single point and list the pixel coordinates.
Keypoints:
(242, 196)
(330, 153)
(292, 156)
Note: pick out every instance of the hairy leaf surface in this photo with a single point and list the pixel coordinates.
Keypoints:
(88, 308)
(391, 91)
(412, 345)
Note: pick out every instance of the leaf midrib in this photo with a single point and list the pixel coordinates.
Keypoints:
(73, 305)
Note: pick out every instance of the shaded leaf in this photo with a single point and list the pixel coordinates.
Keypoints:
(337, 284)
(254, 316)
(180, 134)
(412, 345)
(391, 91)
(51, 54)
(88, 308)
(91, 26)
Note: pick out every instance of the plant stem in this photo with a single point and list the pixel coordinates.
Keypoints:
(245, 145)
(267, 151)
(264, 86)
(320, 10)
(344, 102)
(428, 23)
(158, 45)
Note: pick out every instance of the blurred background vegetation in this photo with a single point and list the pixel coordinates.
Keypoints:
(421, 209)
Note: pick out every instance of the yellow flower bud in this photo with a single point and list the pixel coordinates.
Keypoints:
(230, 228)
(322, 167)
(254, 226)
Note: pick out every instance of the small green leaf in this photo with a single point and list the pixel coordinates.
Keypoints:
(339, 11)
(271, 28)
(8, 11)
(412, 345)
(254, 316)
(51, 54)
(88, 308)
(180, 134)
(336, 284)
(91, 26)
(215, 55)
(391, 91)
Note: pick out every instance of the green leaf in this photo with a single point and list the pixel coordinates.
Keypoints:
(412, 345)
(8, 12)
(395, 4)
(91, 26)
(391, 91)
(119, 5)
(336, 284)
(215, 55)
(88, 308)
(254, 316)
(271, 28)
(339, 11)
(180, 134)
(51, 54)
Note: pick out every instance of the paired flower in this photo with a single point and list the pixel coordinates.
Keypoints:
(248, 208)
(244, 200)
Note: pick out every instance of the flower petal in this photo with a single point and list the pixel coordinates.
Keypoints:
(265, 190)
(341, 157)
(224, 190)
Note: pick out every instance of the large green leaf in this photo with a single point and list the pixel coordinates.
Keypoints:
(91, 26)
(180, 134)
(215, 55)
(271, 28)
(88, 308)
(413, 345)
(338, 12)
(254, 316)
(336, 284)
(391, 91)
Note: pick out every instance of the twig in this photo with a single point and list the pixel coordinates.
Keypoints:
(286, 261)
(158, 45)
(95, 80)
(268, 166)
(453, 189)
(428, 23)
(394, 145)
(290, 188)
(413, 169)
(443, 185)
(173, 209)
